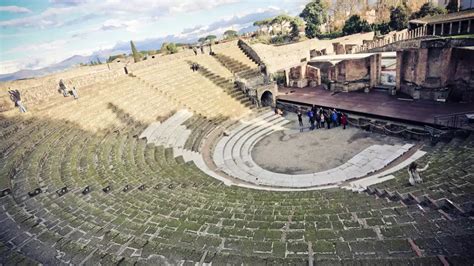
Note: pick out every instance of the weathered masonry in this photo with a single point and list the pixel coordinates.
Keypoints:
(440, 69)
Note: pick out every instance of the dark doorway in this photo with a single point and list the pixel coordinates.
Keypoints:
(267, 99)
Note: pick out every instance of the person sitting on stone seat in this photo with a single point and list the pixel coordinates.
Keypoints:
(414, 173)
(278, 111)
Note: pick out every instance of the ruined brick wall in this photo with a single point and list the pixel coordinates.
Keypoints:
(436, 72)
(313, 74)
(357, 69)
(409, 62)
(461, 75)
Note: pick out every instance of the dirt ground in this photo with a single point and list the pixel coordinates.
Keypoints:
(294, 152)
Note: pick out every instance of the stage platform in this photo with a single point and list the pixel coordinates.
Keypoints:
(377, 104)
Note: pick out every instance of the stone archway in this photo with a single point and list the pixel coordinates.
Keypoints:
(266, 99)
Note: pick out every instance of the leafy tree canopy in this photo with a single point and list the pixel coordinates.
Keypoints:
(169, 48)
(315, 14)
(355, 25)
(399, 17)
(428, 10)
(295, 25)
(229, 34)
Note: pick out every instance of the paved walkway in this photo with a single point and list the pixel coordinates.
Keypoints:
(374, 104)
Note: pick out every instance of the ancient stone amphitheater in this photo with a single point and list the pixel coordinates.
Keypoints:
(139, 171)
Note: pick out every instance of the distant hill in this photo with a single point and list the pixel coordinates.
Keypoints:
(63, 65)
(103, 55)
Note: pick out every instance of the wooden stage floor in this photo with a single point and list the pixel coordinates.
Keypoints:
(375, 104)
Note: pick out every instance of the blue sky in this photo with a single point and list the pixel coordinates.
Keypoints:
(34, 34)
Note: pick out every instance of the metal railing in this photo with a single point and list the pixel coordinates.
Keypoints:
(456, 120)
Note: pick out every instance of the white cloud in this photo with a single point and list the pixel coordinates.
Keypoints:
(14, 9)
(119, 9)
(49, 17)
(235, 22)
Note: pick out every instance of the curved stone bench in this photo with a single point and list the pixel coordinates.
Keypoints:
(233, 156)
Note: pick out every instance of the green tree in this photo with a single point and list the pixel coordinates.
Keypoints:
(230, 34)
(211, 38)
(135, 53)
(382, 28)
(295, 25)
(260, 24)
(202, 40)
(428, 10)
(355, 25)
(169, 48)
(281, 20)
(399, 17)
(113, 57)
(315, 14)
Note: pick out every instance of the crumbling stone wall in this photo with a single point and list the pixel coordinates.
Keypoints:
(313, 75)
(436, 70)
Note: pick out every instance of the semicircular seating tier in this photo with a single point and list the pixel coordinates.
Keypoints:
(78, 186)
(233, 155)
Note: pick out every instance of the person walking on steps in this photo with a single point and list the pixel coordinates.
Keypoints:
(74, 93)
(62, 88)
(414, 173)
(15, 96)
(300, 120)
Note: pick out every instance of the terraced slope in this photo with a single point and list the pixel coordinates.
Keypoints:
(449, 176)
(78, 186)
(177, 82)
(161, 209)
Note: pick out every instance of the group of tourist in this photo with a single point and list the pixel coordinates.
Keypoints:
(15, 96)
(320, 118)
(65, 92)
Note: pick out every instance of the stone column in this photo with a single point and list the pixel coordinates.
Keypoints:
(459, 29)
(442, 29)
(434, 29)
(287, 77)
(399, 69)
(450, 28)
(469, 27)
(303, 71)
